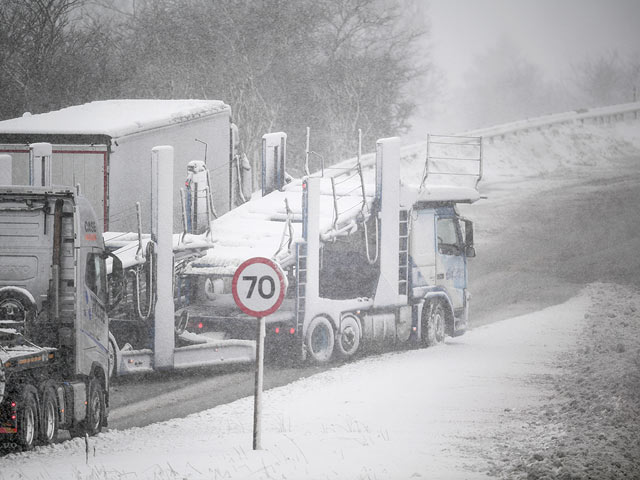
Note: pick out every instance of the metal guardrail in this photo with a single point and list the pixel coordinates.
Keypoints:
(599, 115)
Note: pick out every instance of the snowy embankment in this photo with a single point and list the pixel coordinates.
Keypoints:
(554, 393)
(589, 426)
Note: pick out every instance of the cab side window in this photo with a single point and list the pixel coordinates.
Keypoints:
(448, 236)
(95, 276)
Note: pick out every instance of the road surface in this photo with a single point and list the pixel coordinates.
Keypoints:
(534, 250)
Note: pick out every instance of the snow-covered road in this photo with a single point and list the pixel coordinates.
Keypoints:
(421, 413)
(552, 394)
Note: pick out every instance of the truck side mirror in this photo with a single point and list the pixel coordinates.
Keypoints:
(468, 234)
(116, 282)
(469, 251)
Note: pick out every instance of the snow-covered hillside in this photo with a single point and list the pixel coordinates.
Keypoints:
(539, 152)
(472, 407)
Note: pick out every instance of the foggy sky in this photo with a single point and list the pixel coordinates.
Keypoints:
(551, 33)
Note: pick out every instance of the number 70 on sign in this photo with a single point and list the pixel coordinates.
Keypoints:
(258, 287)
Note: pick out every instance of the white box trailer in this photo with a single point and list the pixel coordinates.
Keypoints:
(104, 146)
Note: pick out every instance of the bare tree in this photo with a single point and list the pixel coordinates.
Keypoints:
(607, 79)
(501, 85)
(334, 65)
(369, 59)
(51, 58)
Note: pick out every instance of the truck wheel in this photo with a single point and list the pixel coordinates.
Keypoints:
(95, 408)
(17, 307)
(433, 324)
(113, 358)
(27, 417)
(49, 417)
(320, 340)
(348, 338)
(92, 424)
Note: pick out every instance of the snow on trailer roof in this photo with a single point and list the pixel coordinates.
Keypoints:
(451, 174)
(115, 118)
(131, 251)
(260, 228)
(412, 195)
(270, 226)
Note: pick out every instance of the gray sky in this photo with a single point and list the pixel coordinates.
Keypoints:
(551, 33)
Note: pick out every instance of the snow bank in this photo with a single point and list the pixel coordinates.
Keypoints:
(589, 426)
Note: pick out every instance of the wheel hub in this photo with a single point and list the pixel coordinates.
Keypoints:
(320, 340)
(30, 427)
(95, 412)
(348, 338)
(12, 310)
(51, 421)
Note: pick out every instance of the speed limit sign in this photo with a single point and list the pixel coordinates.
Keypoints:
(258, 287)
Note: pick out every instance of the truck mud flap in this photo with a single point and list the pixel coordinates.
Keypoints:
(460, 327)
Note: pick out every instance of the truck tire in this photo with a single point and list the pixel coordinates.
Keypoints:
(348, 337)
(92, 424)
(27, 417)
(48, 430)
(319, 340)
(433, 323)
(16, 306)
(95, 408)
(113, 357)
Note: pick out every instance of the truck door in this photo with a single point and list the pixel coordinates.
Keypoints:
(93, 331)
(451, 271)
(423, 271)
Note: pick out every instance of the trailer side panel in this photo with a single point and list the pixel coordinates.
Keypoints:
(129, 169)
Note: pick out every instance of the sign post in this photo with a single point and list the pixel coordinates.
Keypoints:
(258, 289)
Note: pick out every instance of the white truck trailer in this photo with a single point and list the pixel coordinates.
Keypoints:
(104, 146)
(370, 261)
(53, 315)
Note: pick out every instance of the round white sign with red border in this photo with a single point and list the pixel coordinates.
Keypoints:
(258, 287)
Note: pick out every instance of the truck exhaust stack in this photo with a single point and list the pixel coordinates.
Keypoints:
(5, 169)
(40, 164)
(274, 154)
